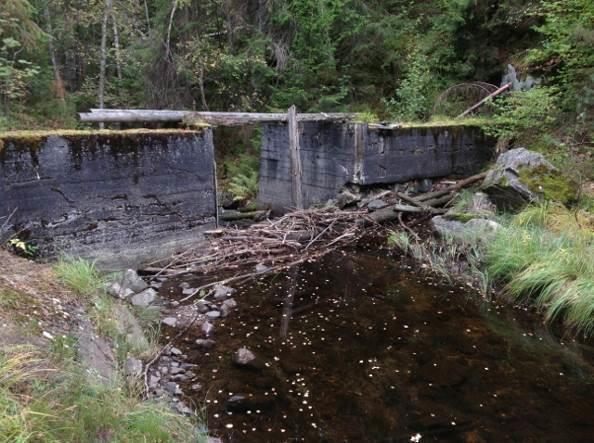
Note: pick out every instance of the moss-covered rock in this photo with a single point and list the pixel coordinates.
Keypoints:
(521, 176)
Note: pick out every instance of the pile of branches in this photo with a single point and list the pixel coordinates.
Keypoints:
(268, 246)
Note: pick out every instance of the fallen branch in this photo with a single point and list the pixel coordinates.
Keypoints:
(461, 184)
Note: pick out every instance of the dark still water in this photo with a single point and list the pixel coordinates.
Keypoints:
(358, 349)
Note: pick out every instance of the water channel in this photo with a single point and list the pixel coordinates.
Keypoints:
(361, 348)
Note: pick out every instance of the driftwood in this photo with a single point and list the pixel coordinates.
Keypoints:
(461, 184)
(484, 100)
(238, 215)
(211, 118)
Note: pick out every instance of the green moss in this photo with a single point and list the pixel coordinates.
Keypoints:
(35, 139)
(462, 216)
(446, 123)
(551, 184)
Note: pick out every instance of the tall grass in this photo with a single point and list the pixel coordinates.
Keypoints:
(80, 275)
(64, 407)
(546, 256)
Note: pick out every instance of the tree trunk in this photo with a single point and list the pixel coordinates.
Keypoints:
(168, 39)
(116, 44)
(103, 61)
(201, 86)
(59, 89)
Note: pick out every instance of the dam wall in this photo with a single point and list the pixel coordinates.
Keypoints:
(117, 197)
(334, 154)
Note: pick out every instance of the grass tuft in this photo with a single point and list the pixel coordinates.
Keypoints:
(80, 275)
(546, 256)
(63, 406)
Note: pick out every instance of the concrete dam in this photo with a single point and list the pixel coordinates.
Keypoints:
(125, 197)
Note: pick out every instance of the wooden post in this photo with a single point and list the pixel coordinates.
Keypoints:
(295, 152)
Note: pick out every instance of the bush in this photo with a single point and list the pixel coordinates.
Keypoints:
(521, 115)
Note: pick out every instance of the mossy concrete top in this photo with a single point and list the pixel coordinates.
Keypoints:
(32, 139)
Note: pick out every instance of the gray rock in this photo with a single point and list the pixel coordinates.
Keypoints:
(196, 387)
(205, 343)
(207, 328)
(154, 381)
(188, 291)
(173, 388)
(225, 311)
(183, 409)
(131, 280)
(230, 303)
(507, 184)
(213, 314)
(203, 306)
(133, 367)
(475, 230)
(115, 290)
(184, 285)
(376, 204)
(144, 298)
(170, 321)
(175, 371)
(175, 351)
(244, 357)
(180, 378)
(347, 198)
(222, 291)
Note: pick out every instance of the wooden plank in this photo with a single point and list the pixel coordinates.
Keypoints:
(212, 118)
(477, 105)
(295, 152)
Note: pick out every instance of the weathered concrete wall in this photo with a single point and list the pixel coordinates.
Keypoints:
(334, 154)
(120, 198)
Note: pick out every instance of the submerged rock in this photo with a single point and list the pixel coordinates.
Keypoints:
(213, 314)
(207, 328)
(205, 343)
(144, 298)
(222, 291)
(521, 176)
(245, 358)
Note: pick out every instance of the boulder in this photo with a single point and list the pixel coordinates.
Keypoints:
(115, 290)
(521, 176)
(144, 298)
(477, 229)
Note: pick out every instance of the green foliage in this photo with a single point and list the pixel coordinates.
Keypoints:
(243, 175)
(565, 53)
(523, 114)
(80, 275)
(38, 405)
(414, 96)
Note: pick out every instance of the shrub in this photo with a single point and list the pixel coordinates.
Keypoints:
(523, 114)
